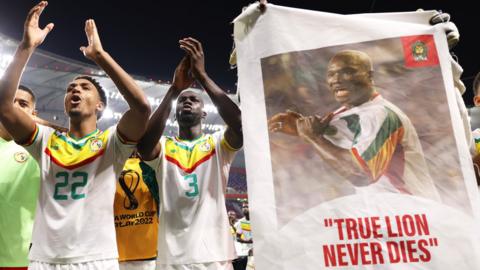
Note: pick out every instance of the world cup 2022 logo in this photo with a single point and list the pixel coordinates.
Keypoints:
(129, 180)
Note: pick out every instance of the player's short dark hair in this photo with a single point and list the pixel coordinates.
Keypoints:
(476, 84)
(29, 91)
(100, 90)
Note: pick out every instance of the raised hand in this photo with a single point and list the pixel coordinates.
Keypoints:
(285, 123)
(313, 126)
(94, 48)
(194, 50)
(182, 78)
(451, 30)
(262, 6)
(33, 35)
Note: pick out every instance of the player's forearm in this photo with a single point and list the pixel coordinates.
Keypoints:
(228, 110)
(126, 85)
(156, 126)
(50, 124)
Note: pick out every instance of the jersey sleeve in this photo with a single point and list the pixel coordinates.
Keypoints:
(227, 152)
(238, 227)
(122, 149)
(37, 140)
(376, 142)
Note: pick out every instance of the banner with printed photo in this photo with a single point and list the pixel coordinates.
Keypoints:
(354, 146)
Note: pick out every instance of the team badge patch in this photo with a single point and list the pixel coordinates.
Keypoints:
(205, 147)
(20, 157)
(96, 145)
(419, 51)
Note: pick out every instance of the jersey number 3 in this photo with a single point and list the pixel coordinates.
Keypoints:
(72, 182)
(192, 182)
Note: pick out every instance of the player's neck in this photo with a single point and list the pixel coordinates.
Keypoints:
(190, 133)
(373, 94)
(4, 133)
(80, 129)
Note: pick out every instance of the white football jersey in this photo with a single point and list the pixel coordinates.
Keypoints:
(74, 220)
(192, 179)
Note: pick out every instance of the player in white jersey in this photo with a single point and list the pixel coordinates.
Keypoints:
(368, 140)
(74, 226)
(192, 170)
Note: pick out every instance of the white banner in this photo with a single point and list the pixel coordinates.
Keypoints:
(355, 153)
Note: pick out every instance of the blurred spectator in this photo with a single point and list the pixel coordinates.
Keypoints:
(244, 242)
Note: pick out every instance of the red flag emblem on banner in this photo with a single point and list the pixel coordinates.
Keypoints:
(419, 51)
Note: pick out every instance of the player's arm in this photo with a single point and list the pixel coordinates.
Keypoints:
(239, 234)
(18, 123)
(148, 147)
(46, 123)
(132, 125)
(228, 110)
(243, 241)
(311, 129)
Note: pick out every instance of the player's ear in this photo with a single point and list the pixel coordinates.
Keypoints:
(476, 100)
(204, 114)
(100, 107)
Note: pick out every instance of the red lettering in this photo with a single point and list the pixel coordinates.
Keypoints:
(408, 225)
(364, 229)
(329, 255)
(364, 252)
(422, 224)
(353, 253)
(399, 226)
(339, 223)
(422, 246)
(341, 254)
(403, 250)
(390, 232)
(376, 227)
(351, 227)
(411, 250)
(393, 252)
(376, 249)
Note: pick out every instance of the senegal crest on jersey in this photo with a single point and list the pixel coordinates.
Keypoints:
(189, 155)
(71, 153)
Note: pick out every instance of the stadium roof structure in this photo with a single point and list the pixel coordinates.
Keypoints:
(48, 74)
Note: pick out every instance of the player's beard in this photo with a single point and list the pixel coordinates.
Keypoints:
(189, 119)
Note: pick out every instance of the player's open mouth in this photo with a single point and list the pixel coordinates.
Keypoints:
(75, 100)
(341, 92)
(187, 108)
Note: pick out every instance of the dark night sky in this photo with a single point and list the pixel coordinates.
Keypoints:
(142, 35)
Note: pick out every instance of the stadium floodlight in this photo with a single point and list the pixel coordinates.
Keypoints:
(5, 60)
(107, 114)
(209, 108)
(114, 95)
